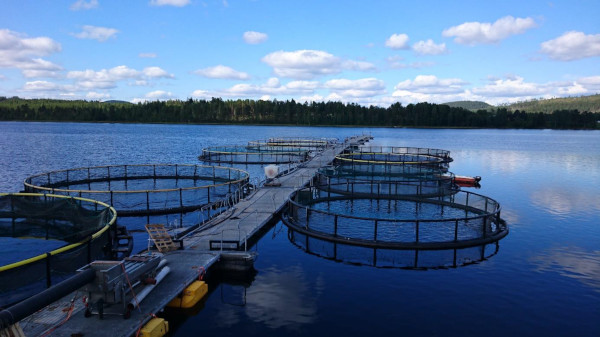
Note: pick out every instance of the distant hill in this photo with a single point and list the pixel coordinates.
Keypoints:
(582, 103)
(113, 101)
(469, 105)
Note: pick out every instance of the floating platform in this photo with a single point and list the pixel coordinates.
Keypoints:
(203, 248)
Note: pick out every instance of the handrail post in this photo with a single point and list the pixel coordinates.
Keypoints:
(48, 271)
(456, 230)
(375, 231)
(417, 231)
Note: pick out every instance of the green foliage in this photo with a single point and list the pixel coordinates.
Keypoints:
(582, 103)
(291, 112)
(469, 105)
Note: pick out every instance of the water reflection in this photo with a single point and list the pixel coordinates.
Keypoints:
(393, 258)
(572, 262)
(563, 201)
(279, 298)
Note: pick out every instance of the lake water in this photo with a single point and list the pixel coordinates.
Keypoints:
(544, 278)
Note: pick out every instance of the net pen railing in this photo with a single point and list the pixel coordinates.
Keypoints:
(32, 274)
(376, 186)
(392, 258)
(387, 159)
(444, 155)
(244, 155)
(144, 189)
(480, 224)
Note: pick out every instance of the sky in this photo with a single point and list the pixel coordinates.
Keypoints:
(364, 52)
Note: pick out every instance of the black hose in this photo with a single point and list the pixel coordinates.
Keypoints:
(29, 306)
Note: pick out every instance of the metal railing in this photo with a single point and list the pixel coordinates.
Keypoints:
(480, 224)
(144, 189)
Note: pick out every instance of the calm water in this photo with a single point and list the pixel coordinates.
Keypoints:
(544, 279)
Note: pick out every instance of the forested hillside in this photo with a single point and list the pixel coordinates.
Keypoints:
(469, 105)
(583, 103)
(291, 112)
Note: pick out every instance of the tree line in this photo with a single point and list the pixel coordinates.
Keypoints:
(290, 112)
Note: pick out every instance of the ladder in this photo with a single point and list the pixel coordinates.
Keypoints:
(162, 240)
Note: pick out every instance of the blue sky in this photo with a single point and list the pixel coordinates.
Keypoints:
(365, 52)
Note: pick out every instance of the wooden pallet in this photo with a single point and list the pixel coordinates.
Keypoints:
(162, 240)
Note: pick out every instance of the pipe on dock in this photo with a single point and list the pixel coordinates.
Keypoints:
(29, 306)
(147, 289)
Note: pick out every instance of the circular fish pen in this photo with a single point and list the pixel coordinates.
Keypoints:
(392, 159)
(293, 142)
(392, 258)
(248, 155)
(146, 189)
(46, 237)
(378, 183)
(461, 219)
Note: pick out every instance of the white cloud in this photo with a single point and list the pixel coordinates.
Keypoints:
(265, 98)
(108, 78)
(571, 46)
(358, 65)
(176, 3)
(252, 37)
(397, 41)
(308, 64)
(222, 71)
(472, 33)
(514, 86)
(313, 98)
(84, 5)
(366, 87)
(572, 90)
(272, 87)
(42, 86)
(430, 84)
(31, 73)
(429, 48)
(147, 55)
(156, 72)
(96, 33)
(303, 64)
(201, 94)
(159, 94)
(592, 83)
(18, 51)
(97, 96)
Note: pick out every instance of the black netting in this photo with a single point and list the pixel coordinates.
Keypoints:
(76, 232)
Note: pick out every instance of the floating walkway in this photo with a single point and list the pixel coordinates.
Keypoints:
(232, 230)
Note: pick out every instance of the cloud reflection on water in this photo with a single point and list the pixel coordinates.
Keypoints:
(572, 262)
(563, 202)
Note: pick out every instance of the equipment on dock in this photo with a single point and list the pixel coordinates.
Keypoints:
(162, 240)
(271, 171)
(190, 296)
(115, 280)
(156, 327)
(75, 230)
(464, 181)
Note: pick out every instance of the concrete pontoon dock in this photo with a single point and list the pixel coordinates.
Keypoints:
(202, 249)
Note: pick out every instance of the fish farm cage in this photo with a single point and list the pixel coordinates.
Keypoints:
(457, 220)
(392, 258)
(251, 155)
(69, 232)
(293, 142)
(379, 182)
(393, 159)
(147, 189)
